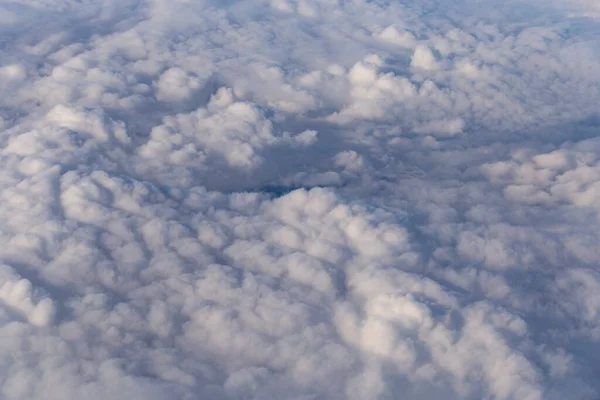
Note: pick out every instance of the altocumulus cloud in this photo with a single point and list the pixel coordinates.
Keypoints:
(299, 199)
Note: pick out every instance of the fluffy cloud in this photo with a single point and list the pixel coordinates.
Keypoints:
(299, 200)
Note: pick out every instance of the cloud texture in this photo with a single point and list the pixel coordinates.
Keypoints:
(299, 199)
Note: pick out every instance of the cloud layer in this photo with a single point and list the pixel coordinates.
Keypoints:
(302, 199)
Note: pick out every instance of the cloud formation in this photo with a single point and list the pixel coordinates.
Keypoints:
(299, 200)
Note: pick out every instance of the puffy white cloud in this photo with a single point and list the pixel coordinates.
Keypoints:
(232, 130)
(175, 84)
(424, 59)
(299, 200)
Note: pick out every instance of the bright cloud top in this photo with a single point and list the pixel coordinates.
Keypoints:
(299, 200)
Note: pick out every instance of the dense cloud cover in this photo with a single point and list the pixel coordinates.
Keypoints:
(299, 199)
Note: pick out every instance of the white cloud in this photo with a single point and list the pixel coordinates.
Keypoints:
(299, 200)
(176, 85)
(423, 58)
(399, 37)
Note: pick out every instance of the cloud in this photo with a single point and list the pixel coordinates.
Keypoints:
(299, 200)
(424, 59)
